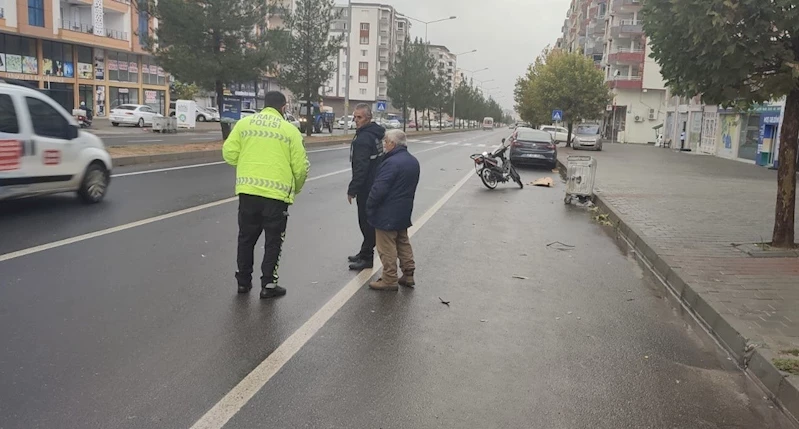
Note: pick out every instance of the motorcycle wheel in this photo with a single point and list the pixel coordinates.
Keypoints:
(488, 178)
(516, 177)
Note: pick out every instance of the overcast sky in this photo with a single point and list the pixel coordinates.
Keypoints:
(508, 34)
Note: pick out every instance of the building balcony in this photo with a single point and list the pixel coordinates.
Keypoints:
(626, 28)
(121, 6)
(626, 56)
(627, 6)
(81, 32)
(596, 28)
(626, 82)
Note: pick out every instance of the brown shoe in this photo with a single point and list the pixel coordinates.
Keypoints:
(382, 285)
(407, 281)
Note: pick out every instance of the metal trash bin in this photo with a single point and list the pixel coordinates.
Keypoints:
(580, 176)
(171, 124)
(158, 124)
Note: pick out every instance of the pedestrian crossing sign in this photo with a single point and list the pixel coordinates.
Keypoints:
(557, 115)
(381, 106)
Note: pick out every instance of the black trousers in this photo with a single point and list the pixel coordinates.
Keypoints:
(257, 214)
(368, 246)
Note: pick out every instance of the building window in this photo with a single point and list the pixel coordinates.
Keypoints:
(400, 26)
(58, 59)
(36, 13)
(364, 52)
(362, 91)
(20, 54)
(363, 72)
(144, 23)
(123, 67)
(364, 33)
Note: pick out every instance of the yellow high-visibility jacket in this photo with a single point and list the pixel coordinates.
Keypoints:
(269, 156)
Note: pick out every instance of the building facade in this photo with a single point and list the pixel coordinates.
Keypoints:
(377, 35)
(447, 61)
(90, 51)
(611, 33)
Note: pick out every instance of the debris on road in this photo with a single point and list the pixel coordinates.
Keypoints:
(545, 182)
(444, 302)
(483, 320)
(520, 277)
(557, 245)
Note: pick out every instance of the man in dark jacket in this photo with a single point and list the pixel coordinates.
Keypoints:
(366, 152)
(389, 209)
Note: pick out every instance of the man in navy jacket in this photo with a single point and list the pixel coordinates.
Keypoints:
(389, 210)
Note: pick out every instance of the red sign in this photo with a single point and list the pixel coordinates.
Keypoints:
(52, 157)
(10, 155)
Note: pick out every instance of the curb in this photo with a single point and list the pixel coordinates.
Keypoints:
(756, 362)
(216, 155)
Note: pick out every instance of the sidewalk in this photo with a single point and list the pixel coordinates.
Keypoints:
(683, 212)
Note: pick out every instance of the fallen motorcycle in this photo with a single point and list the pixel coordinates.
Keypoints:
(487, 166)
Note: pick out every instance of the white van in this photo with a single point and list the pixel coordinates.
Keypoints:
(43, 151)
(488, 123)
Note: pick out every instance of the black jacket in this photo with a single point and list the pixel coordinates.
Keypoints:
(390, 202)
(366, 152)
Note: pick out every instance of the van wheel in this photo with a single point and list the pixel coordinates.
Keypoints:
(95, 184)
(200, 118)
(116, 124)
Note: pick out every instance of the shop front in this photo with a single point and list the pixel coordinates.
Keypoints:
(768, 136)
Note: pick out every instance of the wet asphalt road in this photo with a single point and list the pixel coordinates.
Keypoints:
(142, 328)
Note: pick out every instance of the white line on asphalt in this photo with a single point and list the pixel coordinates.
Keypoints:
(144, 141)
(439, 142)
(202, 138)
(481, 145)
(231, 403)
(467, 144)
(95, 234)
(413, 140)
(159, 170)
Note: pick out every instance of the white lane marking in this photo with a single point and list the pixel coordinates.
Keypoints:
(207, 164)
(425, 141)
(144, 141)
(231, 403)
(202, 138)
(159, 170)
(480, 145)
(413, 140)
(466, 144)
(440, 142)
(95, 234)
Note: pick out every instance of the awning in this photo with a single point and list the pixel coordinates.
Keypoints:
(657, 127)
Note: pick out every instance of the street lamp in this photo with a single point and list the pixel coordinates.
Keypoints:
(348, 32)
(426, 23)
(454, 89)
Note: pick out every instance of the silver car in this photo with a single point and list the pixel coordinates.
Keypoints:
(587, 136)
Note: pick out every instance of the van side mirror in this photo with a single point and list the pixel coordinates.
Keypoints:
(71, 132)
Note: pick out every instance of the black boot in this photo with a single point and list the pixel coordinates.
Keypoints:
(245, 288)
(245, 282)
(354, 258)
(273, 292)
(362, 264)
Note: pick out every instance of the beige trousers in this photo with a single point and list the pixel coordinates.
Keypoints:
(390, 246)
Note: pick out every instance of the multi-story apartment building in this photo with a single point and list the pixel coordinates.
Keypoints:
(611, 32)
(447, 61)
(82, 50)
(377, 35)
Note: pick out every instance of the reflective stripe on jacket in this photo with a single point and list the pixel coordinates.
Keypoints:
(269, 156)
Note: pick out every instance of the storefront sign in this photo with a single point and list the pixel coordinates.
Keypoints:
(20, 76)
(100, 99)
(150, 97)
(99, 64)
(123, 90)
(2, 61)
(85, 70)
(30, 65)
(13, 63)
(133, 67)
(231, 108)
(161, 72)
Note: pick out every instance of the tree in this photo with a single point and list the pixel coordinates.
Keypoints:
(566, 81)
(308, 51)
(424, 66)
(184, 91)
(529, 108)
(212, 43)
(442, 93)
(736, 53)
(401, 79)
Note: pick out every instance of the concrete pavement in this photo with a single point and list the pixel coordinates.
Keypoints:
(688, 215)
(139, 326)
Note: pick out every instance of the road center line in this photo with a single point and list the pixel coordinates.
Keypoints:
(231, 403)
(144, 141)
(119, 228)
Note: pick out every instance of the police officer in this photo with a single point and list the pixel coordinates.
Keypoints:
(271, 168)
(366, 152)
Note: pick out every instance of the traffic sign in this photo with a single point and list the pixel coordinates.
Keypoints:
(557, 115)
(381, 106)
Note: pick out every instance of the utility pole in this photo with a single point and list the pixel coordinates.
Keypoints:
(347, 66)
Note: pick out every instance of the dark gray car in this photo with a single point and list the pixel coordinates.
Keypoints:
(587, 136)
(533, 147)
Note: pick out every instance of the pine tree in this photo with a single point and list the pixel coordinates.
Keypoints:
(308, 51)
(212, 43)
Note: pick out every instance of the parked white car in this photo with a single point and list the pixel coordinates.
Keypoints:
(247, 112)
(294, 121)
(393, 124)
(350, 122)
(44, 151)
(559, 134)
(207, 115)
(138, 115)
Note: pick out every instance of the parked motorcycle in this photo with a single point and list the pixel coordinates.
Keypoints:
(487, 165)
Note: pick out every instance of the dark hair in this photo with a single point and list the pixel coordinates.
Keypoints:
(275, 100)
